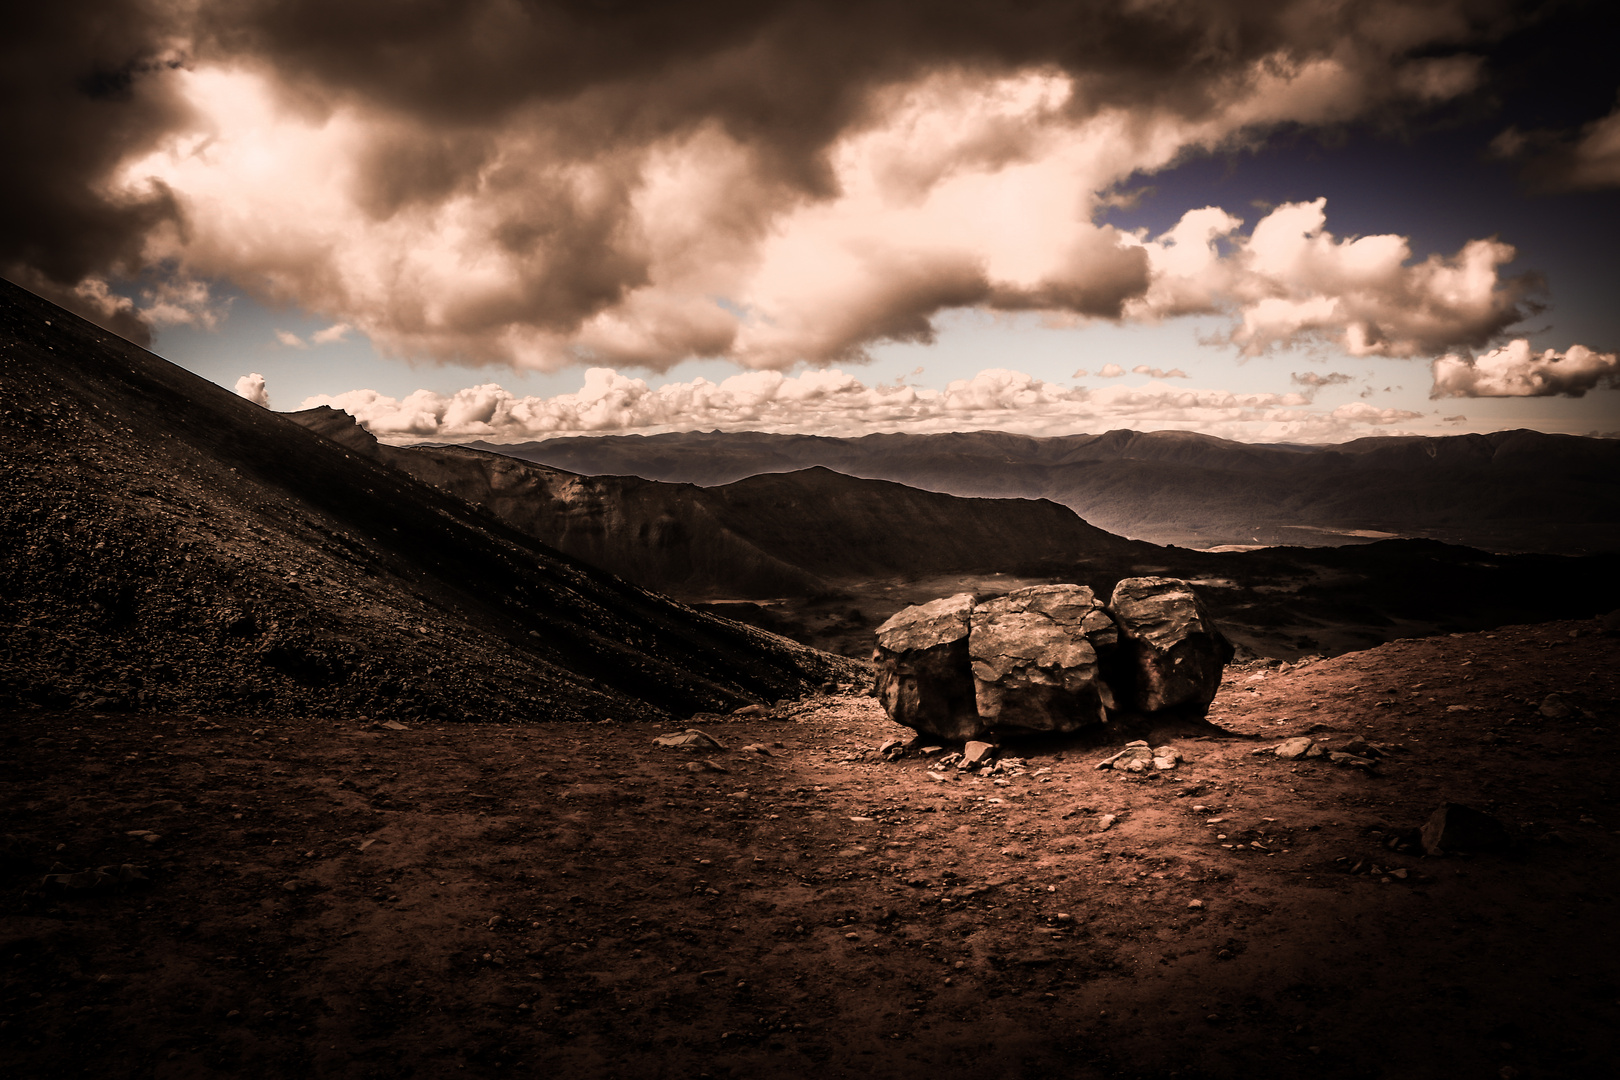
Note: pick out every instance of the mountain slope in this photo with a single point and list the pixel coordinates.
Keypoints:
(170, 545)
(771, 535)
(1506, 491)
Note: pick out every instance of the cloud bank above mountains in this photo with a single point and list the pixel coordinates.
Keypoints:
(832, 402)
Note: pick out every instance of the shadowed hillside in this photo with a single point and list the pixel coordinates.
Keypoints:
(771, 535)
(170, 545)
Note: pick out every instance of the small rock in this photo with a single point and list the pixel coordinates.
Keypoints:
(976, 753)
(1455, 827)
(757, 748)
(750, 710)
(705, 766)
(1556, 707)
(1195, 905)
(690, 739)
(1106, 822)
(394, 725)
(1360, 747)
(1136, 756)
(1166, 757)
(1295, 748)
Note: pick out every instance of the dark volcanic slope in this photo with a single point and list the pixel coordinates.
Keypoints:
(771, 535)
(1507, 491)
(167, 544)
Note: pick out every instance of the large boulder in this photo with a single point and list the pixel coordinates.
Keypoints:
(1173, 652)
(923, 676)
(1034, 659)
(1047, 659)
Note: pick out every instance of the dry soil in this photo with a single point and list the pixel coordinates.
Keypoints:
(336, 898)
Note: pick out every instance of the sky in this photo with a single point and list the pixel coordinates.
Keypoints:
(1283, 221)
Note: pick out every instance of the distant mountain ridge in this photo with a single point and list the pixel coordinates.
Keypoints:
(771, 535)
(1505, 491)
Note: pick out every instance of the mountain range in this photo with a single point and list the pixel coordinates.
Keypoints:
(1508, 491)
(770, 535)
(824, 558)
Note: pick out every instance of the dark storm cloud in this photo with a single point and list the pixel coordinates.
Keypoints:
(82, 90)
(536, 124)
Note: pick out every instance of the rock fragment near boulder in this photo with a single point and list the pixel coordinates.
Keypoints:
(1047, 659)
(1034, 659)
(690, 739)
(924, 676)
(1458, 828)
(1175, 653)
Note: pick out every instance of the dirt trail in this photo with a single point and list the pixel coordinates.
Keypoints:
(334, 899)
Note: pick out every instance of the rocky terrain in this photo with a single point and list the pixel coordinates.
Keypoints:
(323, 896)
(168, 545)
(1507, 491)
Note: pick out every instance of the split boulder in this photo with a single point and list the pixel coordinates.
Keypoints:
(1047, 659)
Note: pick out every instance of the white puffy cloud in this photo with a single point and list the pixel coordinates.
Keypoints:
(1516, 370)
(1160, 373)
(291, 340)
(833, 402)
(1291, 281)
(1110, 371)
(252, 387)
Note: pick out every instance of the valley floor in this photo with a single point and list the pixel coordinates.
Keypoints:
(570, 900)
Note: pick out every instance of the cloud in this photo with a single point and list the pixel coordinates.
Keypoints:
(181, 301)
(1159, 373)
(1110, 371)
(1290, 281)
(1588, 162)
(1515, 370)
(329, 336)
(332, 334)
(540, 185)
(835, 403)
(1316, 382)
(252, 387)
